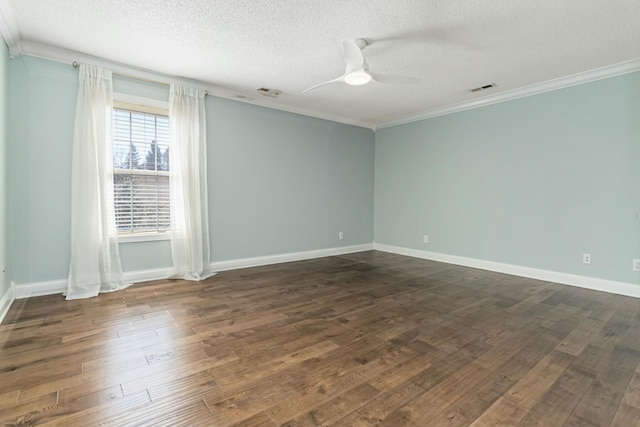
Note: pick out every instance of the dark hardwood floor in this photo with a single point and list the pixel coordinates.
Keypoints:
(355, 340)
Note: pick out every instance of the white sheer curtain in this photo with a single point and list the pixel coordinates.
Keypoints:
(95, 259)
(188, 183)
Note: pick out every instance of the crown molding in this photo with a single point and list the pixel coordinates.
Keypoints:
(53, 53)
(66, 56)
(535, 89)
(57, 54)
(9, 29)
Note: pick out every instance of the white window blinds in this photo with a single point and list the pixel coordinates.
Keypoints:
(141, 170)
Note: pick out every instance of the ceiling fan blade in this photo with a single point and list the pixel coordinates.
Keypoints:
(353, 56)
(338, 80)
(398, 80)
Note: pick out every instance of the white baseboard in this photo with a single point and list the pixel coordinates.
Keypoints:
(5, 302)
(36, 289)
(295, 256)
(53, 287)
(147, 275)
(621, 288)
(26, 290)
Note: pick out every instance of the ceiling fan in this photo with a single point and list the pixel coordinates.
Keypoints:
(357, 70)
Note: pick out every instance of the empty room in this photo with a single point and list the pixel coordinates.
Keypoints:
(329, 213)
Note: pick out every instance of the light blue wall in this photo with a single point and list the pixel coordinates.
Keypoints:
(4, 102)
(278, 182)
(42, 99)
(282, 183)
(533, 182)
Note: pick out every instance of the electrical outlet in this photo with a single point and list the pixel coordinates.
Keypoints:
(636, 265)
(340, 235)
(586, 258)
(425, 239)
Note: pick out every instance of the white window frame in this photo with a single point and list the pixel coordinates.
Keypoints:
(149, 105)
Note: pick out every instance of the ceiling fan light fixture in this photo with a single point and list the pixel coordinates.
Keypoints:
(358, 78)
(356, 72)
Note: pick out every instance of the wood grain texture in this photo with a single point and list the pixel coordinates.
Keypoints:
(356, 340)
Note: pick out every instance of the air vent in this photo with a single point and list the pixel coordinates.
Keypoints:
(485, 87)
(271, 93)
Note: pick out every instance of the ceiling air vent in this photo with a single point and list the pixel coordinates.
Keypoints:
(485, 87)
(271, 93)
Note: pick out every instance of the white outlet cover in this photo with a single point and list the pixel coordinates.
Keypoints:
(636, 265)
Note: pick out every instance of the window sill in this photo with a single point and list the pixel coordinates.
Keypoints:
(143, 237)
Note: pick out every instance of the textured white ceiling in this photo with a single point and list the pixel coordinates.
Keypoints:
(290, 45)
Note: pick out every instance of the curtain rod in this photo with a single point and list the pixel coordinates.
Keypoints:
(76, 64)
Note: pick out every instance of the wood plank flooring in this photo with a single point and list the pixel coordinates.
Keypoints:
(357, 340)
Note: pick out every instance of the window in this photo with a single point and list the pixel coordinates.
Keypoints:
(141, 168)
